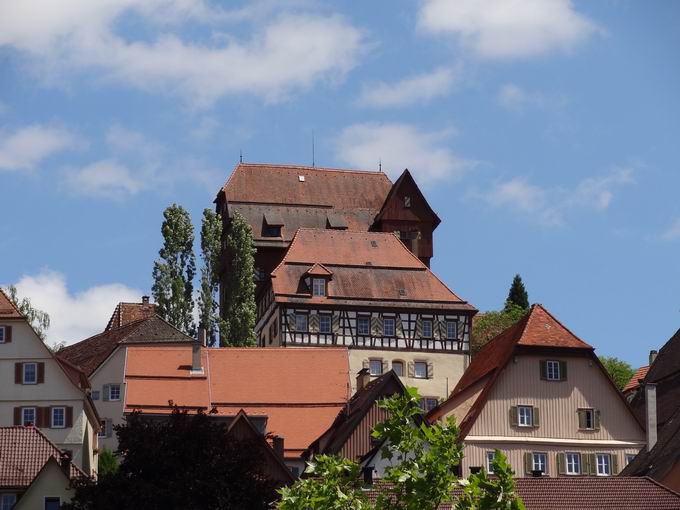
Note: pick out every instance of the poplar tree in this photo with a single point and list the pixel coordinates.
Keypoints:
(211, 232)
(174, 271)
(238, 326)
(518, 294)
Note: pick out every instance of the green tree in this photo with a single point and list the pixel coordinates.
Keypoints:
(238, 327)
(211, 233)
(174, 271)
(39, 320)
(424, 459)
(620, 371)
(488, 325)
(518, 294)
(108, 464)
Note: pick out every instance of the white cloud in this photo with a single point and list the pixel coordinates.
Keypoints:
(550, 206)
(205, 129)
(105, 179)
(672, 233)
(420, 88)
(286, 51)
(28, 146)
(513, 97)
(400, 146)
(73, 316)
(506, 29)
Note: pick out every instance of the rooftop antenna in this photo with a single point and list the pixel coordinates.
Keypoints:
(240, 156)
(313, 160)
(380, 164)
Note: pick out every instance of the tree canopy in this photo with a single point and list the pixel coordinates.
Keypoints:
(517, 295)
(39, 320)
(208, 305)
(620, 371)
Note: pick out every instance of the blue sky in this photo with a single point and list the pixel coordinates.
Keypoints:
(544, 133)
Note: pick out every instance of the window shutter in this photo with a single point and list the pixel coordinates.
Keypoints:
(561, 464)
(544, 369)
(69, 416)
(105, 391)
(581, 419)
(513, 416)
(411, 369)
(536, 415)
(430, 370)
(41, 373)
(528, 462)
(419, 328)
(18, 369)
(592, 463)
(42, 420)
(376, 326)
(291, 321)
(8, 334)
(563, 370)
(596, 414)
(399, 327)
(386, 366)
(335, 324)
(436, 329)
(17, 416)
(108, 427)
(366, 364)
(615, 463)
(313, 323)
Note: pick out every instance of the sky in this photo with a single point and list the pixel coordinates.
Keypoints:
(544, 133)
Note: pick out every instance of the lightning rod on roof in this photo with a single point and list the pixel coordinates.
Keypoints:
(313, 161)
(380, 164)
(240, 156)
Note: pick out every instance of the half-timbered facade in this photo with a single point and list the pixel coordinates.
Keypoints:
(368, 292)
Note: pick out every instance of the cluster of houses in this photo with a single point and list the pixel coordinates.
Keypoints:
(348, 313)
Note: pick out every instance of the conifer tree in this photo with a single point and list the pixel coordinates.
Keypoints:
(238, 326)
(174, 271)
(518, 294)
(211, 233)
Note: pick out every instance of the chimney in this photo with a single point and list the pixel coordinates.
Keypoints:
(65, 463)
(202, 336)
(196, 358)
(652, 357)
(650, 411)
(278, 445)
(363, 378)
(368, 475)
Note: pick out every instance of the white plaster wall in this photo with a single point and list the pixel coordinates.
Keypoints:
(112, 371)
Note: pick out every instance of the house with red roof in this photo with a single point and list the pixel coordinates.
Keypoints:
(40, 389)
(539, 394)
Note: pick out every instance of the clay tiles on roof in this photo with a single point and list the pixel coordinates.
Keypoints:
(7, 308)
(583, 492)
(88, 354)
(300, 391)
(23, 453)
(667, 362)
(126, 313)
(368, 266)
(634, 382)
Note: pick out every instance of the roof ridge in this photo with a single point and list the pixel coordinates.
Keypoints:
(11, 303)
(539, 305)
(315, 168)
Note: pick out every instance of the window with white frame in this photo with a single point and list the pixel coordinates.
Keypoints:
(388, 326)
(525, 416)
(489, 462)
(420, 369)
(301, 322)
(58, 417)
(318, 287)
(28, 416)
(2, 334)
(398, 367)
(7, 501)
(114, 392)
(604, 464)
(375, 366)
(30, 375)
(451, 330)
(363, 326)
(324, 323)
(427, 328)
(553, 370)
(573, 463)
(539, 462)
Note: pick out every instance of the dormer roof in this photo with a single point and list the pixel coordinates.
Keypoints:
(319, 270)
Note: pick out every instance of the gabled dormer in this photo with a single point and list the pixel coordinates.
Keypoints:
(317, 279)
(407, 213)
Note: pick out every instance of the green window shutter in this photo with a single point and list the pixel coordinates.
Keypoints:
(336, 324)
(615, 463)
(596, 413)
(592, 464)
(105, 391)
(291, 322)
(563, 370)
(581, 419)
(513, 416)
(544, 369)
(561, 464)
(536, 416)
(313, 323)
(528, 462)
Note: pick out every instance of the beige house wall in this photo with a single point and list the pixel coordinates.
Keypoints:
(111, 371)
(51, 482)
(448, 368)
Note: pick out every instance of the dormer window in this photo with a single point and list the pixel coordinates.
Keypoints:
(272, 224)
(318, 287)
(407, 201)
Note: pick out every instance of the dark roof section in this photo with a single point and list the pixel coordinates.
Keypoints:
(667, 362)
(583, 492)
(665, 454)
(7, 308)
(24, 452)
(125, 313)
(403, 179)
(88, 354)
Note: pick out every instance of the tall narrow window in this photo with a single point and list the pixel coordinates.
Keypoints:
(398, 367)
(301, 322)
(28, 416)
(489, 462)
(114, 392)
(102, 428)
(573, 463)
(525, 416)
(420, 369)
(388, 326)
(539, 462)
(30, 373)
(451, 330)
(553, 370)
(2, 334)
(427, 328)
(58, 417)
(363, 326)
(318, 287)
(604, 464)
(375, 367)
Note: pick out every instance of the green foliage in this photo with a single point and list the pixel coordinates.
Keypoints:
(618, 370)
(39, 320)
(211, 233)
(517, 295)
(238, 326)
(481, 492)
(340, 487)
(423, 462)
(491, 324)
(174, 271)
(108, 464)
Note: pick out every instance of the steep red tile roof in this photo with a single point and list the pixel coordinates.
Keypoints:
(300, 391)
(125, 313)
(639, 374)
(23, 453)
(7, 308)
(368, 266)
